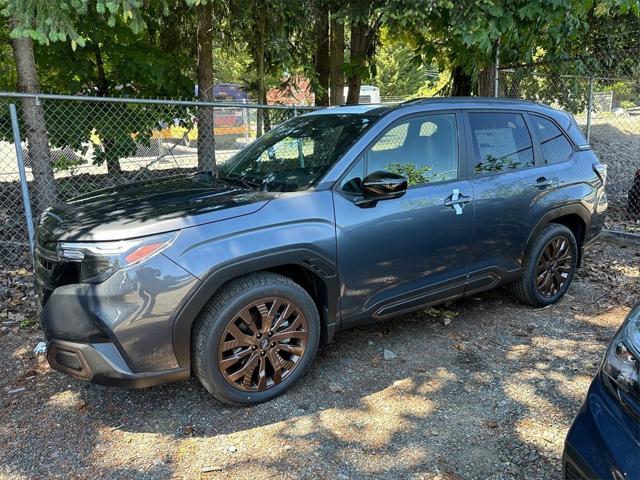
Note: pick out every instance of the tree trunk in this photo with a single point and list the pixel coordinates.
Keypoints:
(462, 83)
(103, 83)
(321, 56)
(206, 139)
(336, 59)
(110, 150)
(44, 188)
(262, 125)
(486, 77)
(357, 61)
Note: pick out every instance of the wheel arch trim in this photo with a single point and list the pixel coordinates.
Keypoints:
(304, 257)
(570, 209)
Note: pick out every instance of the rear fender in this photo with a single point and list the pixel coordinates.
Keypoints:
(576, 208)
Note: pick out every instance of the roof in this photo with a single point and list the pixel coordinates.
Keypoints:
(375, 109)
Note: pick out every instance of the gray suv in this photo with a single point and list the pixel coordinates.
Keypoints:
(331, 220)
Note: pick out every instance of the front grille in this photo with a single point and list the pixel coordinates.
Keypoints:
(50, 272)
(45, 263)
(571, 473)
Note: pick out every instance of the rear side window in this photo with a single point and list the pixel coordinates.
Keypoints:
(501, 142)
(555, 146)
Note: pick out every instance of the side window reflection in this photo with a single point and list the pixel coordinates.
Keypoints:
(422, 149)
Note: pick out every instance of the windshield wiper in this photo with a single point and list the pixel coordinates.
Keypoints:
(250, 184)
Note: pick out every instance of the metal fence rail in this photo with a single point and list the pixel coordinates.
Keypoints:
(86, 143)
(603, 93)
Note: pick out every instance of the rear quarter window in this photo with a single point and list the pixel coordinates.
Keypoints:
(556, 148)
(575, 133)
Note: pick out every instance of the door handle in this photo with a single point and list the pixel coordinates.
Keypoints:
(456, 200)
(542, 183)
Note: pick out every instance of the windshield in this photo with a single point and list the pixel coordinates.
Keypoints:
(295, 155)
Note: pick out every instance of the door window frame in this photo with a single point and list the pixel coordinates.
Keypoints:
(538, 160)
(462, 149)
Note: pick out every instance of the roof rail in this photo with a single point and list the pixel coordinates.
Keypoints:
(415, 101)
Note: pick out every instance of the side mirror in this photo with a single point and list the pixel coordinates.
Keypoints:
(383, 185)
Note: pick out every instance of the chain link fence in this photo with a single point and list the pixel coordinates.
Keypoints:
(603, 93)
(75, 145)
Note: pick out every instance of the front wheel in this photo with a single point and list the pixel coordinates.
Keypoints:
(548, 267)
(255, 339)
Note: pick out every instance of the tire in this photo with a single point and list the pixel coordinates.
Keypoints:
(539, 270)
(242, 316)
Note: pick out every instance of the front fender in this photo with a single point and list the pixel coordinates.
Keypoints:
(295, 229)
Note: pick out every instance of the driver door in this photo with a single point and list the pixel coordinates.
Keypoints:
(400, 254)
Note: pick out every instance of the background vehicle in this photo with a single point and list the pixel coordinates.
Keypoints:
(368, 94)
(604, 439)
(633, 202)
(330, 220)
(229, 123)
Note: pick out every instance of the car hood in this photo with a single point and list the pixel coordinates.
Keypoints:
(150, 207)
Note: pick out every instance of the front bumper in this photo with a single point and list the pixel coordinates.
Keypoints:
(603, 441)
(119, 331)
(101, 363)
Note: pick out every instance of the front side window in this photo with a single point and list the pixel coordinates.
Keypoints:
(295, 155)
(555, 146)
(501, 142)
(422, 149)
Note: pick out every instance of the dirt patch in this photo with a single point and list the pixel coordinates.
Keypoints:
(484, 388)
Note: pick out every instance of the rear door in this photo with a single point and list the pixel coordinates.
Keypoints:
(510, 182)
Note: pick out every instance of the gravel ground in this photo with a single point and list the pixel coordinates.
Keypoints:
(482, 388)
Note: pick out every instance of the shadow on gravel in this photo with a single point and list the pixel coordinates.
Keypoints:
(488, 395)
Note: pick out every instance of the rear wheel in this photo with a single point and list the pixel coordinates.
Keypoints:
(255, 339)
(549, 267)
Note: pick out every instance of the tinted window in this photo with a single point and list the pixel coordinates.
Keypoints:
(555, 146)
(295, 154)
(424, 150)
(574, 132)
(501, 142)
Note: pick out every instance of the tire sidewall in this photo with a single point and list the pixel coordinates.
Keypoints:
(210, 368)
(551, 233)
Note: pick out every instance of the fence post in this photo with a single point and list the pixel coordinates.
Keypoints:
(589, 107)
(496, 66)
(245, 120)
(24, 186)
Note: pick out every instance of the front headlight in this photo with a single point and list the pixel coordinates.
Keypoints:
(99, 260)
(621, 365)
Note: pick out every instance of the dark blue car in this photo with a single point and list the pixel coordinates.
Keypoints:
(332, 219)
(604, 440)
